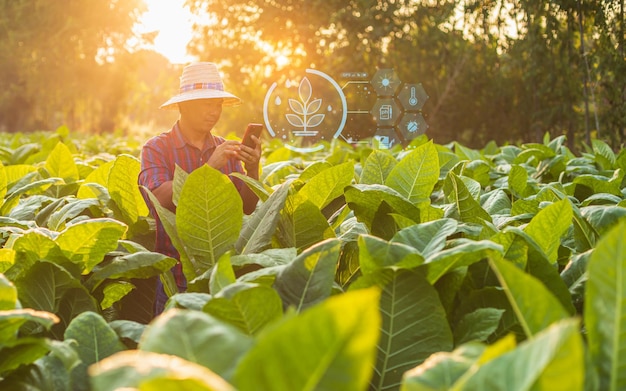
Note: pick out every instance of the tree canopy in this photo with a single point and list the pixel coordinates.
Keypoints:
(503, 70)
(69, 63)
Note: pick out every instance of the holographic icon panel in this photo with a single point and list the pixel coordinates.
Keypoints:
(386, 112)
(385, 82)
(303, 112)
(412, 97)
(306, 111)
(387, 138)
(412, 125)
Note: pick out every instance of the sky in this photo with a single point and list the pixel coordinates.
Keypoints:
(173, 23)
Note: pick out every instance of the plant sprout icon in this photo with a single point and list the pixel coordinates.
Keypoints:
(305, 116)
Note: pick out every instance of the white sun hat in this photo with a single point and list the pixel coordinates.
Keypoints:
(201, 80)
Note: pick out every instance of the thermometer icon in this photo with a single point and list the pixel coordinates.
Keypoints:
(412, 99)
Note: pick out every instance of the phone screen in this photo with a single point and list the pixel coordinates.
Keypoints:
(252, 129)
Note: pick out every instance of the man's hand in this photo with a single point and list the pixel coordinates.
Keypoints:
(227, 150)
(250, 157)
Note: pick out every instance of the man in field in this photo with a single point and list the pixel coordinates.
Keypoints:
(190, 144)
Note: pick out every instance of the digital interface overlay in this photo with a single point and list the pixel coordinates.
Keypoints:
(354, 106)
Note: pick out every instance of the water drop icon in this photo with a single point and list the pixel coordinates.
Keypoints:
(329, 108)
(278, 101)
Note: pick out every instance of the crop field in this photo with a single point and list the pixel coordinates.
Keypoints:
(435, 267)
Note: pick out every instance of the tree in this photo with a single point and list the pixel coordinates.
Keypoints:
(54, 56)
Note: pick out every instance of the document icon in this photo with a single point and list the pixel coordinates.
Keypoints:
(385, 112)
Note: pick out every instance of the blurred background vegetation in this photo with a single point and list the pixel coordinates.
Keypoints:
(502, 70)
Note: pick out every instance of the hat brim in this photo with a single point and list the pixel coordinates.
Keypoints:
(229, 99)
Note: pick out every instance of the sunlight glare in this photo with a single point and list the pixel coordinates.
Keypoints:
(282, 61)
(173, 22)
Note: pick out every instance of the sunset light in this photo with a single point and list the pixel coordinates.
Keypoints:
(173, 23)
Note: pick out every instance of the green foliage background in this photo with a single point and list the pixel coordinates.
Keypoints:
(432, 267)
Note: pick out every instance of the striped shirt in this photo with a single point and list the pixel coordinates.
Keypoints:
(159, 157)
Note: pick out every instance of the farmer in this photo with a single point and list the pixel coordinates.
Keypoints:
(191, 144)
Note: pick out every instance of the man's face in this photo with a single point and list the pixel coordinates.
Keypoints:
(201, 114)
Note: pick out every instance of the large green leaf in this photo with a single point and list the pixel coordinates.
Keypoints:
(87, 242)
(308, 279)
(114, 292)
(260, 189)
(603, 217)
(442, 370)
(313, 168)
(302, 224)
(276, 173)
(12, 320)
(23, 152)
(365, 201)
(8, 294)
(478, 170)
(30, 247)
(17, 172)
(44, 285)
(534, 152)
(605, 308)
(496, 202)
(147, 371)
(60, 163)
(191, 268)
(414, 326)
(143, 264)
(415, 176)
(20, 352)
(37, 186)
(535, 307)
(257, 232)
(585, 235)
(328, 184)
(50, 372)
(601, 184)
(518, 181)
(552, 360)
(376, 254)
(575, 277)
(95, 341)
(128, 329)
(50, 287)
(209, 216)
(477, 325)
(249, 307)
(222, 274)
(466, 205)
(122, 185)
(7, 259)
(521, 249)
(331, 346)
(68, 211)
(377, 167)
(547, 227)
(604, 155)
(98, 176)
(180, 177)
(465, 153)
(428, 238)
(465, 253)
(197, 337)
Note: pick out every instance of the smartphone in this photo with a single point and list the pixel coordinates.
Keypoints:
(252, 129)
